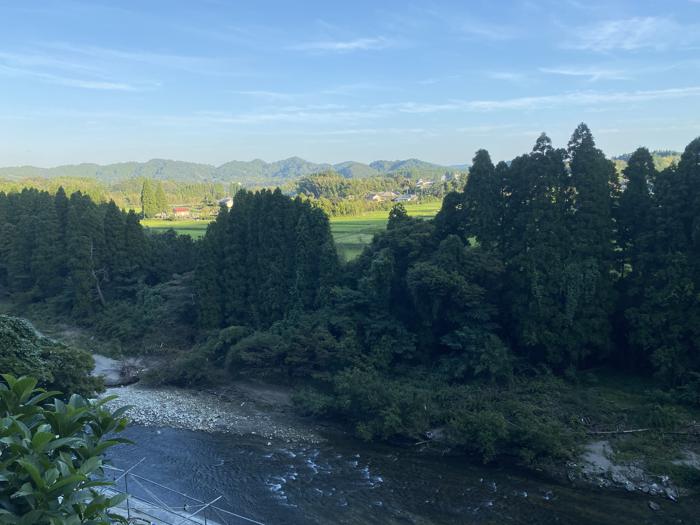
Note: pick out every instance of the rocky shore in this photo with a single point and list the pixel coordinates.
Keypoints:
(265, 411)
(236, 411)
(597, 466)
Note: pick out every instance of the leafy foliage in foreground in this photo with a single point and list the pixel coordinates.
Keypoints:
(51, 456)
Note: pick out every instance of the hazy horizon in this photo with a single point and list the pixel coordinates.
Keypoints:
(209, 82)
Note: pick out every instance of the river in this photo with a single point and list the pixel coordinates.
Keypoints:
(347, 481)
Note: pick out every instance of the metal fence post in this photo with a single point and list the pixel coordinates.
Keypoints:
(126, 489)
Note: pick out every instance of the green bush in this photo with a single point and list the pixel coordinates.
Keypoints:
(51, 456)
(260, 350)
(226, 339)
(484, 433)
(23, 351)
(662, 417)
(188, 369)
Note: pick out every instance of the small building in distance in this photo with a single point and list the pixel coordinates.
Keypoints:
(382, 196)
(181, 212)
(424, 184)
(226, 201)
(449, 177)
(407, 197)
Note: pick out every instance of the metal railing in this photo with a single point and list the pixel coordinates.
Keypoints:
(155, 503)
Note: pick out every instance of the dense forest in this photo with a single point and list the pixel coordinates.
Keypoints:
(475, 325)
(92, 263)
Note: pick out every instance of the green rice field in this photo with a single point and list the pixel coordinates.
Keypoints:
(351, 233)
(194, 229)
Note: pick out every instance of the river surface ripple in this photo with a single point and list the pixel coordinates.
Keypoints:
(347, 481)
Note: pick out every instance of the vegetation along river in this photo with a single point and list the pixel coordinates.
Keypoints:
(343, 480)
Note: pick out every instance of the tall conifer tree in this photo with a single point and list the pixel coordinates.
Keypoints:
(149, 206)
(482, 201)
(594, 182)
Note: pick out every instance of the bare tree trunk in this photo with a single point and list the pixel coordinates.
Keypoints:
(94, 274)
(599, 432)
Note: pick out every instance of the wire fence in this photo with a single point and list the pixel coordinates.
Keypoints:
(149, 502)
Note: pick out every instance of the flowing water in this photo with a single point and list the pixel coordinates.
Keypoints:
(347, 481)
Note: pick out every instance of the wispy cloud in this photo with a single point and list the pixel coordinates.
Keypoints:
(345, 46)
(35, 59)
(483, 31)
(590, 73)
(585, 98)
(60, 71)
(486, 130)
(339, 90)
(507, 76)
(368, 131)
(354, 88)
(634, 34)
(51, 78)
(193, 64)
(356, 118)
(575, 98)
(461, 23)
(271, 96)
(333, 113)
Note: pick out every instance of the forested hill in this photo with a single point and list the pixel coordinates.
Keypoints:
(253, 173)
(662, 159)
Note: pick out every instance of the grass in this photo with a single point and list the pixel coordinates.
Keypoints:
(194, 229)
(351, 233)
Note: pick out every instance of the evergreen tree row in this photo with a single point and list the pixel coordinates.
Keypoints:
(597, 269)
(269, 255)
(153, 199)
(80, 255)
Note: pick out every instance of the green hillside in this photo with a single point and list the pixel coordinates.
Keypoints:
(253, 173)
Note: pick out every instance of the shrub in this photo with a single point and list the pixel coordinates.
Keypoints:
(51, 458)
(260, 350)
(484, 432)
(54, 365)
(191, 368)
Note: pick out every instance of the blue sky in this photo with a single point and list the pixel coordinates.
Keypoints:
(214, 80)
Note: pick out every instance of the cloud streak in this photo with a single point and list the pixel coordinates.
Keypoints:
(51, 78)
(334, 114)
(345, 46)
(592, 74)
(634, 34)
(102, 55)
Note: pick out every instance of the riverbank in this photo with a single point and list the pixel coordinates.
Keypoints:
(235, 410)
(652, 462)
(247, 408)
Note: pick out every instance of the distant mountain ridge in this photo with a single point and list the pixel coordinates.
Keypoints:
(255, 172)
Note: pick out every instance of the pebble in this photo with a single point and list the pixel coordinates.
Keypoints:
(187, 409)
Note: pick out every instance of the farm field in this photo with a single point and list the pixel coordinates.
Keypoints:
(351, 233)
(194, 229)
